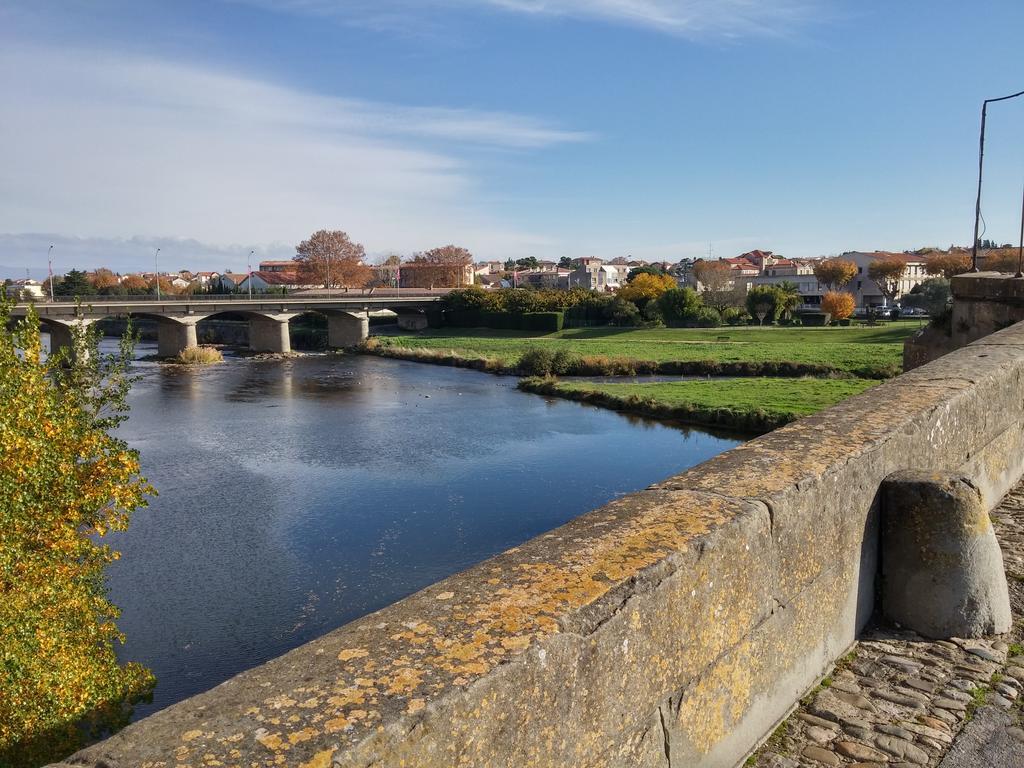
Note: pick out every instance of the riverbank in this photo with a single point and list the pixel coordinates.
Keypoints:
(755, 405)
(872, 353)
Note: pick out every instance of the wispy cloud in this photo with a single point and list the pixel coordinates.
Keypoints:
(684, 18)
(97, 145)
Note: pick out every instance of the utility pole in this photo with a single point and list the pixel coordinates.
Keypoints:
(981, 163)
(49, 266)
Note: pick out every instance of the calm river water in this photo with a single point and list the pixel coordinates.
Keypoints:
(297, 495)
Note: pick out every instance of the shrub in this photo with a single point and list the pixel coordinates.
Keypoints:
(200, 356)
(624, 312)
(548, 322)
(536, 361)
(564, 362)
(473, 298)
(706, 317)
(734, 316)
(838, 304)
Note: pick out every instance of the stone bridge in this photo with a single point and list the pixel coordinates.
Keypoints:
(347, 316)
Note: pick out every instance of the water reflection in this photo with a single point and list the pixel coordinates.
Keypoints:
(297, 495)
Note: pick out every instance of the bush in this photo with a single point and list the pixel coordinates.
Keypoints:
(548, 322)
(734, 316)
(706, 317)
(624, 313)
(536, 361)
(200, 356)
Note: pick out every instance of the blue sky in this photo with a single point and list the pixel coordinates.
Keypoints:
(650, 128)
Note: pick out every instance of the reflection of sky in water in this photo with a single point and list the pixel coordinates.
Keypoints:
(297, 495)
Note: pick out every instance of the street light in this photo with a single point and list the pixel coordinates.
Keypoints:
(250, 273)
(981, 161)
(156, 266)
(49, 266)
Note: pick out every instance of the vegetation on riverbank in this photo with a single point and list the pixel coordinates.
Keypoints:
(201, 355)
(864, 352)
(65, 482)
(749, 405)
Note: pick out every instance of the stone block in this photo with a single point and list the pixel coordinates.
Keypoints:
(942, 571)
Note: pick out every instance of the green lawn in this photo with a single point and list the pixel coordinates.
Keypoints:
(788, 397)
(858, 350)
(755, 404)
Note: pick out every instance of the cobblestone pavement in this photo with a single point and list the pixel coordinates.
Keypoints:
(898, 700)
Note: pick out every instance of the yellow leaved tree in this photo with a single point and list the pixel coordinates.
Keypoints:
(65, 482)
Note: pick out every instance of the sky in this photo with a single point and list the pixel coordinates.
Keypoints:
(657, 129)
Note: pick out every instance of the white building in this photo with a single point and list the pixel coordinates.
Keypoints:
(26, 289)
(866, 291)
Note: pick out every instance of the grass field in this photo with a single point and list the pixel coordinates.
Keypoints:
(861, 351)
(755, 404)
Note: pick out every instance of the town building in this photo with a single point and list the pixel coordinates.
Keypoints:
(24, 289)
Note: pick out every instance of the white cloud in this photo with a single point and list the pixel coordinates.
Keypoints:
(685, 18)
(95, 145)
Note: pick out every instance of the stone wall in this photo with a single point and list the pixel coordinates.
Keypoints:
(672, 627)
(983, 302)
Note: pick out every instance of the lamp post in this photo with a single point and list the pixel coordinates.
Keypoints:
(49, 267)
(981, 162)
(156, 266)
(249, 280)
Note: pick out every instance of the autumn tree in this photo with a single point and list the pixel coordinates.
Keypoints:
(65, 481)
(835, 273)
(645, 287)
(329, 258)
(839, 304)
(135, 284)
(887, 272)
(443, 267)
(720, 290)
(948, 264)
(167, 288)
(1001, 260)
(103, 279)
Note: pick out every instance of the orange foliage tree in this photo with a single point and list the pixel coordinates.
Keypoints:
(835, 273)
(65, 481)
(839, 304)
(948, 264)
(331, 259)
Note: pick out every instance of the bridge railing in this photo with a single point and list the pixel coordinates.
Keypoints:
(336, 294)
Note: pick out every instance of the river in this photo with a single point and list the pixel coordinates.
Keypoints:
(296, 495)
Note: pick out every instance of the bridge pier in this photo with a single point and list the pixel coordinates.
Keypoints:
(346, 329)
(174, 335)
(412, 321)
(65, 335)
(269, 334)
